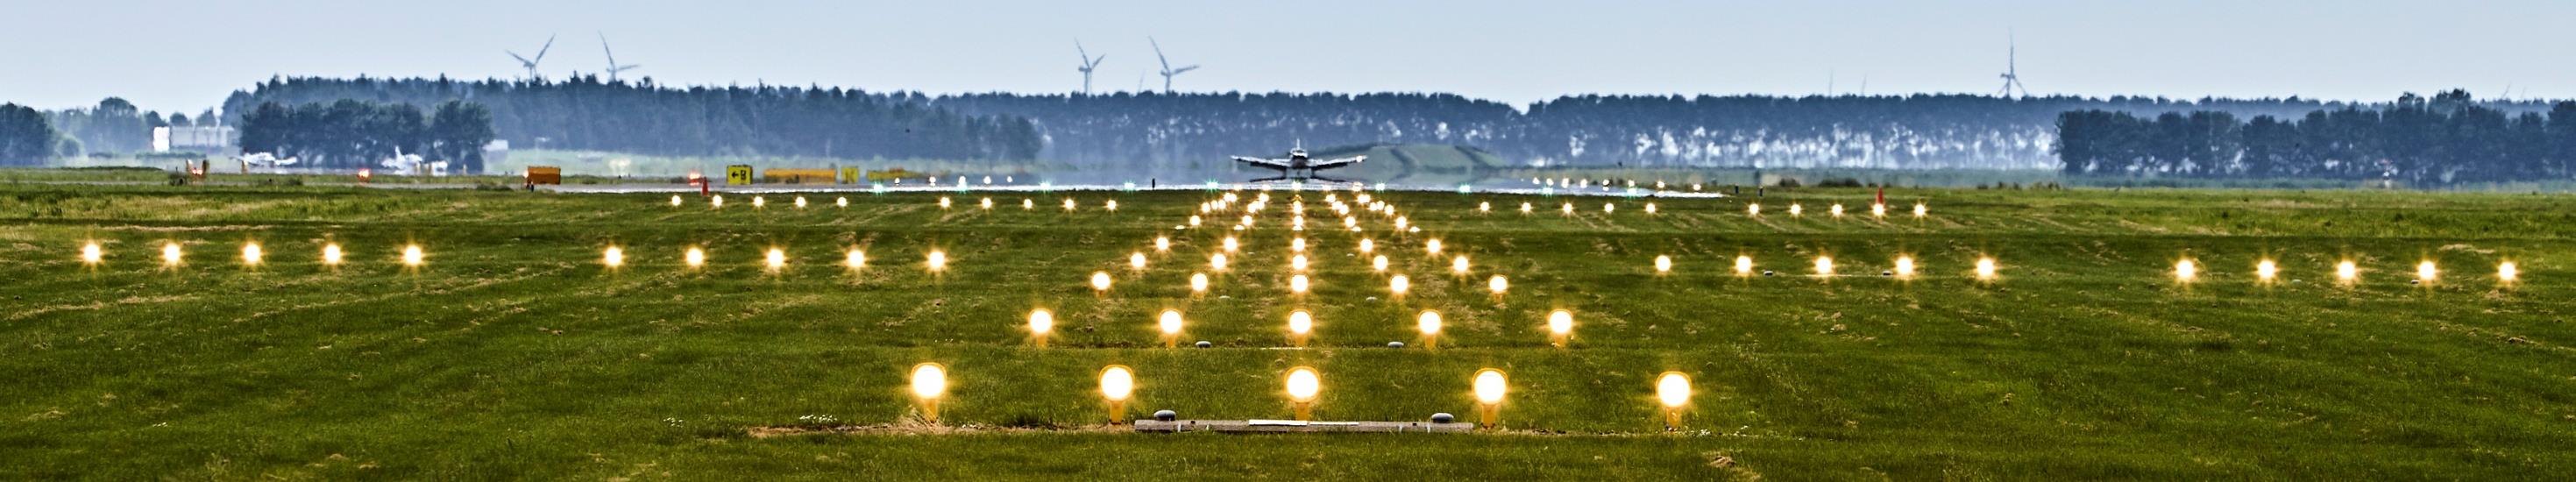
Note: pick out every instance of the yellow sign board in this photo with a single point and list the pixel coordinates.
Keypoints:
(851, 175)
(798, 176)
(737, 175)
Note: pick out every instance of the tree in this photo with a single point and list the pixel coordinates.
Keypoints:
(26, 136)
(457, 132)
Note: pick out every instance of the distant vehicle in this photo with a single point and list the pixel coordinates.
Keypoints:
(1298, 166)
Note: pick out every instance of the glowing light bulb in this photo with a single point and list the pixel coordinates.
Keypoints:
(937, 260)
(929, 381)
(1985, 268)
(1300, 323)
(1458, 264)
(1489, 386)
(2186, 270)
(170, 254)
(1378, 263)
(717, 201)
(1198, 282)
(1663, 264)
(1170, 322)
(1797, 210)
(1673, 389)
(1162, 244)
(1298, 244)
(1650, 208)
(1216, 261)
(331, 254)
(776, 259)
(1100, 281)
(1753, 209)
(1136, 260)
(1560, 322)
(1824, 266)
(675, 200)
(1743, 265)
(943, 202)
(1484, 207)
(1297, 263)
(1498, 284)
(1432, 246)
(91, 254)
(250, 253)
(1920, 210)
(1367, 245)
(411, 256)
(2506, 272)
(800, 202)
(855, 258)
(1297, 284)
(1304, 385)
(695, 257)
(2265, 270)
(1230, 244)
(1399, 284)
(1428, 323)
(1837, 210)
(1904, 266)
(843, 202)
(1194, 220)
(1878, 209)
(613, 257)
(2347, 272)
(986, 203)
(1525, 208)
(1112, 205)
(1068, 204)
(1117, 383)
(759, 201)
(1566, 208)
(1027, 204)
(2425, 271)
(1041, 321)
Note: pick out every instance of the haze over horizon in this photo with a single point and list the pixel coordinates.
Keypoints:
(186, 56)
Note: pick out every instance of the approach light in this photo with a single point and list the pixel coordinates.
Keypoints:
(1100, 281)
(1836, 210)
(1796, 209)
(2186, 270)
(1824, 266)
(411, 256)
(1650, 208)
(1378, 263)
(1458, 264)
(1429, 325)
(1484, 206)
(1297, 263)
(800, 202)
(1170, 323)
(1920, 210)
(717, 201)
(2266, 269)
(1112, 205)
(1116, 384)
(1607, 208)
(1674, 390)
(1194, 220)
(250, 253)
(1904, 266)
(2347, 272)
(1303, 386)
(1297, 284)
(943, 202)
(1198, 282)
(986, 203)
(2425, 271)
(1985, 268)
(1216, 261)
(1041, 322)
(844, 201)
(675, 200)
(759, 201)
(1743, 265)
(776, 259)
(1498, 285)
(1027, 204)
(170, 254)
(1300, 324)
(1136, 260)
(1566, 208)
(1560, 326)
(1489, 393)
(1298, 244)
(1878, 210)
(613, 257)
(1162, 243)
(695, 257)
(1663, 264)
(929, 381)
(1367, 245)
(2506, 272)
(1753, 209)
(1525, 208)
(1231, 245)
(1399, 284)
(1068, 204)
(937, 260)
(855, 258)
(90, 253)
(1432, 246)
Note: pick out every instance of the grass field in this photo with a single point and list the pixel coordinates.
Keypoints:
(513, 352)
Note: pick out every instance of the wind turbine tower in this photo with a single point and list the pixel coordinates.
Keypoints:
(613, 67)
(1168, 71)
(1088, 63)
(2012, 75)
(531, 64)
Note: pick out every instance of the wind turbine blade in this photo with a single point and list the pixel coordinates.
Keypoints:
(1077, 48)
(515, 55)
(541, 51)
(603, 48)
(1185, 69)
(627, 67)
(1158, 54)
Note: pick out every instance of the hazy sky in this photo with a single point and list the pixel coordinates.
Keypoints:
(185, 55)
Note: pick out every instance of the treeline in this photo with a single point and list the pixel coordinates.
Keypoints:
(2448, 138)
(1923, 131)
(27, 138)
(587, 113)
(353, 134)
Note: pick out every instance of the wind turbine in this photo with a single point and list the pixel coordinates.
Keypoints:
(531, 64)
(1088, 62)
(1168, 71)
(2012, 75)
(613, 67)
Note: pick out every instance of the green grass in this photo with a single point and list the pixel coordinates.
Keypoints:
(515, 354)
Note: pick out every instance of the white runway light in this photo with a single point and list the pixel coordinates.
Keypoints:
(2265, 270)
(1743, 265)
(1663, 264)
(695, 257)
(1985, 268)
(2347, 272)
(2507, 272)
(250, 253)
(1198, 282)
(411, 256)
(1100, 281)
(612, 257)
(331, 254)
(1905, 266)
(843, 202)
(2425, 271)
(1136, 260)
(1824, 266)
(1432, 246)
(1458, 264)
(170, 254)
(800, 202)
(1498, 285)
(855, 258)
(1378, 263)
(2186, 270)
(91, 254)
(1399, 284)
(1297, 284)
(937, 260)
(1041, 321)
(776, 259)
(1216, 262)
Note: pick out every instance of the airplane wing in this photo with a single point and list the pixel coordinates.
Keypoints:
(1269, 163)
(1337, 162)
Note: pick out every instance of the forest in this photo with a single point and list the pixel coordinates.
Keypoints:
(2448, 138)
(353, 134)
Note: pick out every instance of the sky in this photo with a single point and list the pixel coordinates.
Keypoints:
(186, 55)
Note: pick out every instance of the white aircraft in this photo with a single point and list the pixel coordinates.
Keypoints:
(1297, 165)
(411, 164)
(263, 159)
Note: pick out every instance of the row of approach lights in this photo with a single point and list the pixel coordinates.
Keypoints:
(1301, 325)
(944, 202)
(1304, 385)
(251, 254)
(2187, 270)
(1755, 209)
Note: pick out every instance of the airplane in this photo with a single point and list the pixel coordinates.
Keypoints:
(1298, 166)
